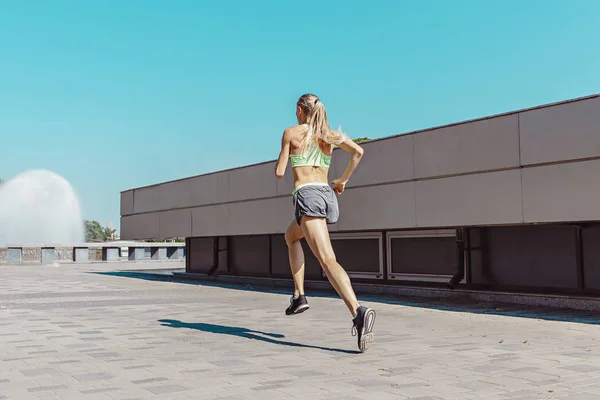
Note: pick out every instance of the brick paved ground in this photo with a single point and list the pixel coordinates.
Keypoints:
(66, 333)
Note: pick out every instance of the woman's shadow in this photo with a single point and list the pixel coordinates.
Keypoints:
(245, 333)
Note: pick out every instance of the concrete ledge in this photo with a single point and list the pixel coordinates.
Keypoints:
(64, 253)
(526, 299)
(41, 253)
(31, 254)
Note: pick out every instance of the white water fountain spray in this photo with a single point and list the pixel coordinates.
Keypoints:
(39, 206)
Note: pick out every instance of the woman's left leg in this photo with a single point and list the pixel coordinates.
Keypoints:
(317, 236)
(293, 235)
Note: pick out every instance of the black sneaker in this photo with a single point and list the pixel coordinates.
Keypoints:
(297, 305)
(363, 327)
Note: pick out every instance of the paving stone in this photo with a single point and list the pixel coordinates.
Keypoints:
(165, 389)
(581, 396)
(73, 333)
(92, 377)
(100, 390)
(38, 371)
(46, 388)
(583, 368)
(150, 380)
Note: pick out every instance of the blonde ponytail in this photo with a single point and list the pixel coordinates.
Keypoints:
(318, 126)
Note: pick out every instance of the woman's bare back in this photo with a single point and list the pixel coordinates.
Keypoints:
(310, 174)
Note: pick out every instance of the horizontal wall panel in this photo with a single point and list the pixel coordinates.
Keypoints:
(591, 257)
(475, 146)
(562, 192)
(533, 256)
(378, 207)
(479, 199)
(177, 223)
(200, 255)
(285, 184)
(564, 132)
(210, 220)
(423, 255)
(385, 160)
(180, 194)
(261, 216)
(249, 255)
(127, 202)
(252, 182)
(143, 226)
(146, 199)
(244, 218)
(216, 188)
(196, 191)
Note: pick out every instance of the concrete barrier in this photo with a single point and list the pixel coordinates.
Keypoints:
(81, 254)
(137, 253)
(175, 253)
(158, 253)
(43, 253)
(111, 253)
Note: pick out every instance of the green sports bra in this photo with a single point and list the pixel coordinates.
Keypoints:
(312, 157)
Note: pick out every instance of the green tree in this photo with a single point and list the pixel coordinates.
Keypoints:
(109, 233)
(94, 231)
(362, 139)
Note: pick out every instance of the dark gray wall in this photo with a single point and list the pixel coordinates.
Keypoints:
(200, 254)
(267, 255)
(535, 256)
(532, 166)
(429, 255)
(249, 255)
(546, 257)
(357, 255)
(591, 257)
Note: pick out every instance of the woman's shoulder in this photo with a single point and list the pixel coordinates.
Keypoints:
(295, 130)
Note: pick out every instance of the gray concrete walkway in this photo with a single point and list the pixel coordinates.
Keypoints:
(69, 333)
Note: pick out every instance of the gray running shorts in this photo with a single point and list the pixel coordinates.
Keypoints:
(316, 201)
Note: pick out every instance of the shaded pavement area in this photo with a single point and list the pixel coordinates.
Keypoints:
(69, 332)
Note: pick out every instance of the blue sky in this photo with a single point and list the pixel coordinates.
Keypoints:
(116, 94)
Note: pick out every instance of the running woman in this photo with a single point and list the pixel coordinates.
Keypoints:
(309, 146)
